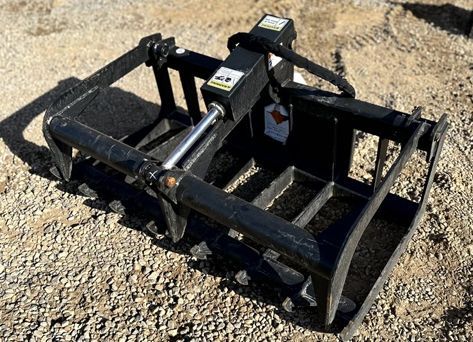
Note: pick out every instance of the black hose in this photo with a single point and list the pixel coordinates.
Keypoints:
(263, 45)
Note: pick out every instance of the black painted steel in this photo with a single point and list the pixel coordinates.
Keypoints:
(310, 268)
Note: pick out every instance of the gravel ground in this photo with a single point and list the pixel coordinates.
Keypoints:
(72, 270)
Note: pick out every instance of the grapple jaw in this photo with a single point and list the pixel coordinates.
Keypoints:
(263, 120)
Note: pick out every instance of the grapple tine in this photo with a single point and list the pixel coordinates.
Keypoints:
(276, 187)
(314, 206)
(246, 167)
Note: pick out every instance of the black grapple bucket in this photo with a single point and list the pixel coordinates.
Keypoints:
(262, 177)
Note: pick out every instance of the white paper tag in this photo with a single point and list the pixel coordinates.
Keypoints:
(225, 78)
(299, 78)
(276, 122)
(273, 60)
(273, 23)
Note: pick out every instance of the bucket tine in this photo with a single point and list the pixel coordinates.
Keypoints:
(268, 195)
(314, 206)
(244, 169)
(276, 187)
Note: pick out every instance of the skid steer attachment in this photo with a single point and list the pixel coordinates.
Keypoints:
(261, 119)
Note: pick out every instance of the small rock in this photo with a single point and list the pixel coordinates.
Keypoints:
(279, 327)
(153, 276)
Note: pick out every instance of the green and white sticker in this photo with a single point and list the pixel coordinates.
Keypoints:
(273, 23)
(225, 78)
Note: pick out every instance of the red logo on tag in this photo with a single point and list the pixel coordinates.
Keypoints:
(278, 117)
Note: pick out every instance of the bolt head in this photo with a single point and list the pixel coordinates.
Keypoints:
(170, 181)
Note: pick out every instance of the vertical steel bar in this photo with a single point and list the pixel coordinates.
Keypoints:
(165, 89)
(334, 148)
(190, 94)
(380, 161)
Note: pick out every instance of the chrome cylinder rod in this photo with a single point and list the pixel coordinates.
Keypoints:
(216, 111)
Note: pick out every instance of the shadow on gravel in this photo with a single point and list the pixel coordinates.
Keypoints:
(12, 128)
(448, 17)
(459, 318)
(110, 104)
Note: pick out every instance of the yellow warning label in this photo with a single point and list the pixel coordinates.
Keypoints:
(225, 78)
(220, 85)
(273, 23)
(270, 26)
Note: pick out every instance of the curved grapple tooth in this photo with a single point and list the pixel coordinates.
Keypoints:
(152, 228)
(270, 254)
(85, 190)
(233, 233)
(242, 277)
(305, 297)
(130, 180)
(288, 304)
(201, 251)
(117, 206)
(55, 172)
